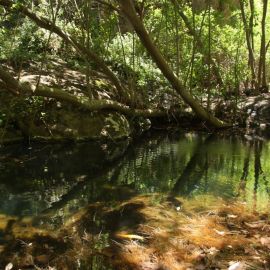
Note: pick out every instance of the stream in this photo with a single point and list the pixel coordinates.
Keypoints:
(51, 184)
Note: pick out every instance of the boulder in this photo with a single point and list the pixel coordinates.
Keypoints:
(258, 115)
(70, 124)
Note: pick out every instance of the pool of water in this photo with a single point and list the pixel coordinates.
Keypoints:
(62, 179)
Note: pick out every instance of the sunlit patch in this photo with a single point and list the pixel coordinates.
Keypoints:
(207, 233)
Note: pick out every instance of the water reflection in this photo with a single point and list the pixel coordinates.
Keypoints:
(191, 164)
(44, 187)
(61, 179)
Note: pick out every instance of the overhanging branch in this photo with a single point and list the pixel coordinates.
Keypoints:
(12, 85)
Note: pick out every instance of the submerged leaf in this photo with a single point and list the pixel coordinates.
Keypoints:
(255, 225)
(231, 216)
(9, 266)
(265, 241)
(221, 233)
(130, 236)
(237, 266)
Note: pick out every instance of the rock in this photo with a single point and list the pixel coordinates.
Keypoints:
(78, 125)
(258, 115)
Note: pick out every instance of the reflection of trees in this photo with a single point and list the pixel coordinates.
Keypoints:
(79, 174)
(141, 167)
(259, 176)
(258, 171)
(258, 156)
(195, 168)
(243, 180)
(98, 181)
(57, 173)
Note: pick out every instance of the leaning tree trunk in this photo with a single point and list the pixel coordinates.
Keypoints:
(128, 9)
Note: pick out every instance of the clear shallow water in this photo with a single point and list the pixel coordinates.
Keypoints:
(57, 177)
(58, 181)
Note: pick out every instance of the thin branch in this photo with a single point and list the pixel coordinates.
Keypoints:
(109, 5)
(85, 52)
(267, 46)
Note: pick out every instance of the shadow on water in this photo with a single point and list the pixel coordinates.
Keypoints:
(45, 187)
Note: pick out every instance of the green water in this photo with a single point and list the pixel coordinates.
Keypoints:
(33, 179)
(62, 179)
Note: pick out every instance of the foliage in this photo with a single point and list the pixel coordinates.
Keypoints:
(217, 24)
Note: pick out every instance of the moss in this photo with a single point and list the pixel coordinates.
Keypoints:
(78, 125)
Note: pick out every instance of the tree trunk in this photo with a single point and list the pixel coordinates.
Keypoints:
(262, 64)
(251, 22)
(251, 58)
(209, 56)
(129, 11)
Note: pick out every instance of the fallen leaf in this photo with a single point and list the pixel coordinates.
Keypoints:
(256, 258)
(265, 241)
(130, 236)
(9, 266)
(220, 232)
(200, 267)
(237, 266)
(212, 251)
(42, 259)
(231, 216)
(255, 225)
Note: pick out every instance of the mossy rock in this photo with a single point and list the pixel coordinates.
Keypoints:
(78, 125)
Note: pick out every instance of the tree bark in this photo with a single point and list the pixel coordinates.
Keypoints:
(251, 22)
(251, 57)
(128, 9)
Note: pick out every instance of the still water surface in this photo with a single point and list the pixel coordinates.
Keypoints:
(61, 179)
